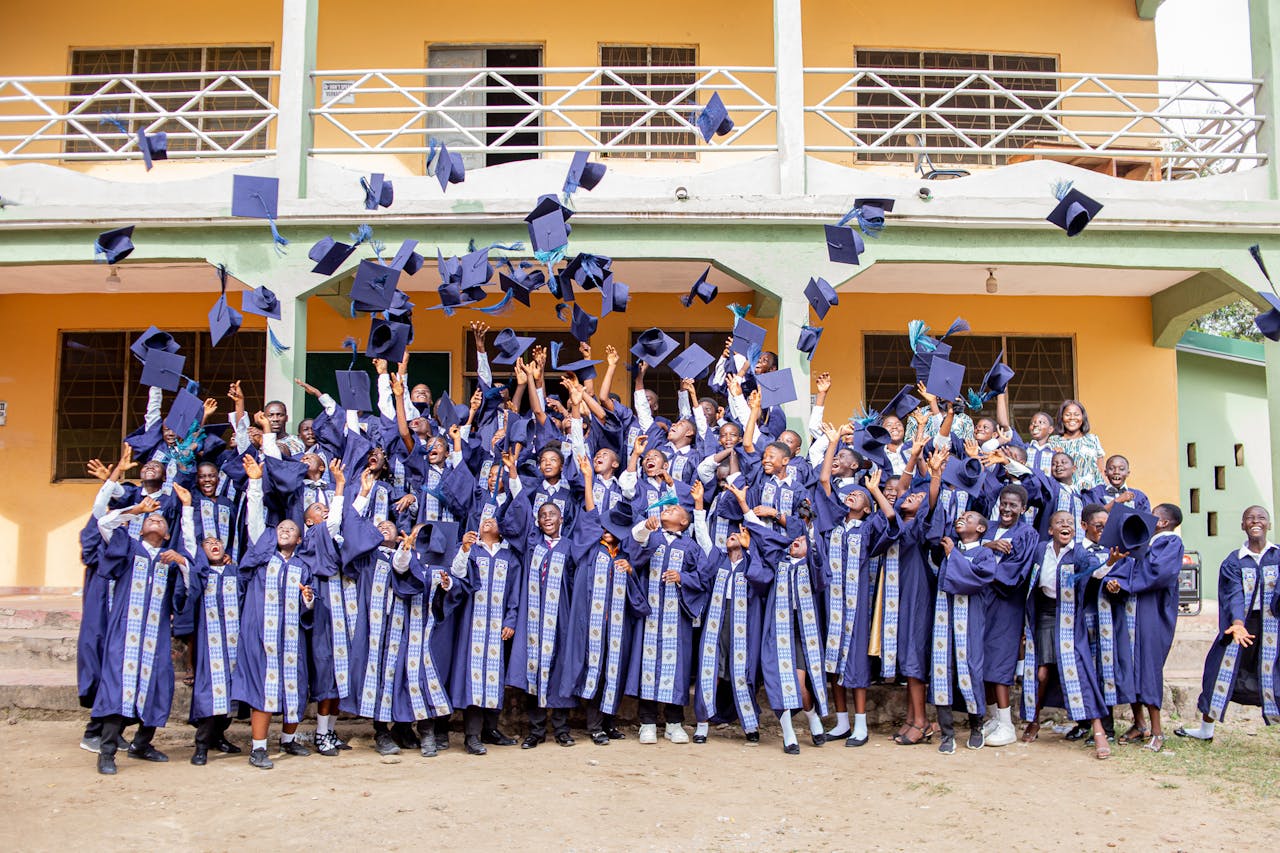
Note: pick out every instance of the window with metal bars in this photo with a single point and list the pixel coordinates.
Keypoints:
(100, 400)
(172, 94)
(663, 381)
(972, 107)
(625, 107)
(1044, 369)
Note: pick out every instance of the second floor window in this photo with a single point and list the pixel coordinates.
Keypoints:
(172, 94)
(979, 110)
(623, 110)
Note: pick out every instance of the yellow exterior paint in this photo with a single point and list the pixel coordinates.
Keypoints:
(1127, 384)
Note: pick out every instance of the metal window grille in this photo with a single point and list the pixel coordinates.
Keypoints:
(622, 108)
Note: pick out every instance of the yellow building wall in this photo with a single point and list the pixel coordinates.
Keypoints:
(1128, 385)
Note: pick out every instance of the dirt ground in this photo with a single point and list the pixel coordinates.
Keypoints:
(724, 795)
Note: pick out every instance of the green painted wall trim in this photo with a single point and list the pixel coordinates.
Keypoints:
(1147, 8)
(1217, 345)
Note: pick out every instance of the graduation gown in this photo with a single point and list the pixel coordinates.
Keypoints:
(1006, 602)
(662, 642)
(1246, 583)
(487, 599)
(328, 642)
(136, 678)
(271, 667)
(907, 620)
(214, 604)
(792, 635)
(732, 625)
(1109, 618)
(422, 673)
(1152, 579)
(95, 602)
(851, 546)
(959, 623)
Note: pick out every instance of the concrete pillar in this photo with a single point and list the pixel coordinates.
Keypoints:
(283, 367)
(296, 94)
(793, 312)
(1264, 44)
(788, 58)
(1272, 351)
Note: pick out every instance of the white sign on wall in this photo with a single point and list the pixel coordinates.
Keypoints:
(330, 89)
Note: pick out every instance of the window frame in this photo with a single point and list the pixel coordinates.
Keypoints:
(647, 135)
(132, 371)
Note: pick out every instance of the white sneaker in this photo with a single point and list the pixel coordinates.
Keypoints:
(677, 734)
(989, 727)
(649, 733)
(1003, 735)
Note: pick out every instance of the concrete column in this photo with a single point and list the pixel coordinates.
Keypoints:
(788, 58)
(793, 312)
(296, 94)
(282, 368)
(1264, 44)
(1272, 351)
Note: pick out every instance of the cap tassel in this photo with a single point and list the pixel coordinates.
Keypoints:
(501, 307)
(870, 227)
(560, 309)
(350, 343)
(278, 239)
(363, 234)
(1256, 251)
(918, 336)
(1061, 188)
(864, 417)
(669, 499)
(739, 311)
(193, 388)
(431, 157)
(115, 122)
(551, 258)
(974, 400)
(276, 347)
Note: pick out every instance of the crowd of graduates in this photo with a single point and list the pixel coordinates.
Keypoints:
(559, 542)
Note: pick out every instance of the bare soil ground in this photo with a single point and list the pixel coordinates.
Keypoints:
(724, 795)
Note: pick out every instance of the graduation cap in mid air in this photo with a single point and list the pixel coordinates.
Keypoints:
(653, 346)
(809, 337)
(387, 340)
(1268, 322)
(583, 325)
(520, 282)
(1127, 528)
(548, 225)
(945, 378)
(869, 214)
(261, 301)
(614, 296)
(447, 167)
(510, 346)
(701, 289)
(691, 363)
(713, 119)
(223, 319)
(998, 377)
(583, 367)
(378, 191)
(162, 369)
(154, 146)
(186, 409)
(1074, 210)
(406, 259)
(114, 245)
(374, 286)
(844, 244)
(776, 387)
(748, 338)
(153, 339)
(903, 403)
(329, 254)
(583, 173)
(256, 197)
(821, 296)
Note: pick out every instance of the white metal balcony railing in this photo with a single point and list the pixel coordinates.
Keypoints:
(205, 114)
(1185, 127)
(484, 110)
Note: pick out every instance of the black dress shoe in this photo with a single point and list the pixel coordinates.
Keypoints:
(258, 758)
(293, 747)
(615, 733)
(200, 757)
(699, 738)
(384, 744)
(530, 742)
(106, 764)
(228, 747)
(819, 740)
(791, 749)
(427, 743)
(496, 738)
(148, 753)
(404, 736)
(474, 745)
(565, 739)
(599, 738)
(340, 743)
(855, 741)
(753, 737)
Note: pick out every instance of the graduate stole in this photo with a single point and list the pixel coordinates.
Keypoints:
(1069, 501)
(558, 497)
(379, 608)
(889, 650)
(420, 667)
(792, 583)
(397, 473)
(845, 550)
(431, 495)
(280, 584)
(341, 637)
(608, 595)
(662, 629)
(679, 462)
(1105, 653)
(778, 495)
(486, 631)
(720, 532)
(742, 697)
(606, 496)
(350, 604)
(380, 497)
(314, 495)
(142, 628)
(1226, 676)
(392, 657)
(540, 637)
(215, 520)
(221, 632)
(1029, 667)
(1068, 666)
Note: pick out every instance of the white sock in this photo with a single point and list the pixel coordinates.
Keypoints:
(842, 720)
(701, 731)
(859, 726)
(815, 722)
(259, 744)
(1004, 716)
(788, 733)
(285, 737)
(1204, 732)
(322, 724)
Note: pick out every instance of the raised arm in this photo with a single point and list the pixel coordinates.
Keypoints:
(339, 474)
(749, 429)
(155, 395)
(188, 519)
(833, 442)
(257, 519)
(606, 381)
(478, 331)
(644, 417)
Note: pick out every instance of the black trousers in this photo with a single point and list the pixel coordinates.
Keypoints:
(538, 720)
(597, 720)
(209, 730)
(946, 721)
(647, 713)
(93, 728)
(114, 724)
(476, 719)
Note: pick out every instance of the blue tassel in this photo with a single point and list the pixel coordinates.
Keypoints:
(350, 343)
(1256, 251)
(739, 311)
(505, 247)
(863, 417)
(551, 258)
(867, 226)
(113, 120)
(1061, 188)
(276, 347)
(378, 248)
(974, 400)
(918, 336)
(279, 241)
(363, 234)
(669, 499)
(960, 324)
(431, 157)
(193, 387)
(560, 306)
(502, 306)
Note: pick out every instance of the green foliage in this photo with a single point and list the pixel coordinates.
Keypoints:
(1230, 321)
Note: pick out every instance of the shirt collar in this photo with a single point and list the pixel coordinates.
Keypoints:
(1245, 552)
